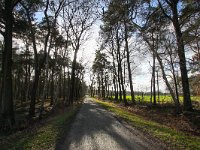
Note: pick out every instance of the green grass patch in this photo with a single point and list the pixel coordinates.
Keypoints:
(176, 139)
(44, 137)
(162, 98)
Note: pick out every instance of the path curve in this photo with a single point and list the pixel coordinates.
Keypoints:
(95, 128)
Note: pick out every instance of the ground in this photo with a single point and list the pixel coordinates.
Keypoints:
(96, 128)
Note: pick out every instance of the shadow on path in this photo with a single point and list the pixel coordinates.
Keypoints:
(96, 128)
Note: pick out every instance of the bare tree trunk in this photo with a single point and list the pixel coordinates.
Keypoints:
(33, 93)
(52, 87)
(154, 70)
(151, 88)
(29, 76)
(120, 69)
(129, 65)
(46, 58)
(64, 85)
(187, 104)
(7, 108)
(173, 4)
(164, 75)
(37, 66)
(174, 76)
(72, 86)
(115, 75)
(177, 104)
(158, 89)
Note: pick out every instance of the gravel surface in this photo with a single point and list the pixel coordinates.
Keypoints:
(94, 128)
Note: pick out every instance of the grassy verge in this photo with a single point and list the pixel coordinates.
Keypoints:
(178, 140)
(45, 136)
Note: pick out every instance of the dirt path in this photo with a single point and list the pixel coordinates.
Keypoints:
(95, 128)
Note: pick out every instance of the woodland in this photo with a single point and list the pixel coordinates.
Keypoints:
(42, 75)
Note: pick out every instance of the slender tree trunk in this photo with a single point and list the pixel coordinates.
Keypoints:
(26, 74)
(187, 104)
(28, 84)
(154, 70)
(33, 94)
(129, 65)
(99, 86)
(164, 75)
(119, 84)
(37, 69)
(151, 98)
(177, 104)
(64, 84)
(52, 86)
(73, 77)
(158, 89)
(46, 58)
(60, 86)
(115, 74)
(120, 69)
(174, 77)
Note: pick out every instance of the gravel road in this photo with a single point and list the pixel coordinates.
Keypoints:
(95, 128)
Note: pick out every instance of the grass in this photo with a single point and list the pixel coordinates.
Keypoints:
(44, 137)
(166, 99)
(162, 99)
(176, 139)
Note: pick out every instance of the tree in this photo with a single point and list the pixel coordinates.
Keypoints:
(99, 67)
(78, 17)
(174, 18)
(7, 109)
(29, 8)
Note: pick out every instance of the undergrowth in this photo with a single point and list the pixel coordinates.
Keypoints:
(40, 137)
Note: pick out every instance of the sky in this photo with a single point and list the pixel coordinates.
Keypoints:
(141, 76)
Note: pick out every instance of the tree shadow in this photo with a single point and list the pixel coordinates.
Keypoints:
(95, 123)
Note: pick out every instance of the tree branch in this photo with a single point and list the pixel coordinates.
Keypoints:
(161, 7)
(15, 2)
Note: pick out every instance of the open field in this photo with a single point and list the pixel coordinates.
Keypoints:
(163, 99)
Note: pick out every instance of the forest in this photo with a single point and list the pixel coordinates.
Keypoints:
(43, 74)
(166, 32)
(41, 71)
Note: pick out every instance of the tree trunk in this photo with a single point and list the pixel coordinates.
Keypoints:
(115, 74)
(174, 76)
(164, 75)
(37, 69)
(33, 94)
(154, 70)
(151, 88)
(64, 84)
(120, 69)
(187, 104)
(158, 89)
(52, 87)
(7, 109)
(73, 78)
(129, 65)
(177, 104)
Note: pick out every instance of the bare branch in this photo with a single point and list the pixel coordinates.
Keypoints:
(161, 7)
